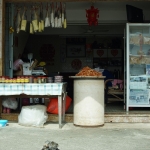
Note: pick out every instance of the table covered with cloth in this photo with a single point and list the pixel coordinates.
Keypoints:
(36, 89)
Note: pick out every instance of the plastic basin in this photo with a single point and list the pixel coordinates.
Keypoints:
(3, 123)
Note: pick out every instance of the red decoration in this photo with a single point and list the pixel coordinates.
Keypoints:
(76, 64)
(114, 52)
(100, 52)
(92, 15)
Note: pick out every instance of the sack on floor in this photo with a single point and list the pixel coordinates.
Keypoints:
(53, 105)
(34, 115)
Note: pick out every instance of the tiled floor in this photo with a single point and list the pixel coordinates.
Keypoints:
(118, 107)
(114, 107)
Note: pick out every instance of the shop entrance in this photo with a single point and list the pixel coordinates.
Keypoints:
(106, 48)
(100, 45)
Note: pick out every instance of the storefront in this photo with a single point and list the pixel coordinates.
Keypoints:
(109, 35)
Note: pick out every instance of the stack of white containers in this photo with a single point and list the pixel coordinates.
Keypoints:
(58, 79)
(49, 79)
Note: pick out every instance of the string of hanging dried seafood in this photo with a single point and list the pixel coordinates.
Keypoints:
(62, 15)
(35, 19)
(87, 71)
(59, 25)
(52, 14)
(24, 19)
(47, 18)
(65, 17)
(41, 19)
(31, 25)
(18, 21)
(56, 16)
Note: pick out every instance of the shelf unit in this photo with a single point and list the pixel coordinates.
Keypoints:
(137, 65)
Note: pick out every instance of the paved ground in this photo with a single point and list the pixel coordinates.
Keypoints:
(112, 136)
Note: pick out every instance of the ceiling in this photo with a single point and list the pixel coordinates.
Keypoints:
(111, 22)
(109, 26)
(102, 5)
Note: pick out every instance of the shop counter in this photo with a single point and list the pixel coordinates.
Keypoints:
(27, 90)
(88, 100)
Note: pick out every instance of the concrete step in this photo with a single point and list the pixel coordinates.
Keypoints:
(133, 117)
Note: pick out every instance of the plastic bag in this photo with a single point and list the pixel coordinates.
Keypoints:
(10, 103)
(34, 115)
(53, 105)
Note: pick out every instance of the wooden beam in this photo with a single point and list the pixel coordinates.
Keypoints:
(35, 1)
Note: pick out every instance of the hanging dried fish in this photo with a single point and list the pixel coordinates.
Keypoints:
(18, 21)
(35, 20)
(41, 18)
(59, 19)
(42, 25)
(39, 21)
(65, 18)
(52, 14)
(62, 15)
(31, 25)
(24, 19)
(59, 16)
(56, 16)
(47, 20)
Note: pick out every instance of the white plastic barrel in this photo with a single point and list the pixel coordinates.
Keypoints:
(89, 101)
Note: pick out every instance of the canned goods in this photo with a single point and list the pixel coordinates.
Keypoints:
(22, 79)
(35, 80)
(3, 79)
(31, 79)
(18, 79)
(6, 80)
(26, 79)
(14, 80)
(39, 80)
(9, 80)
(43, 79)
